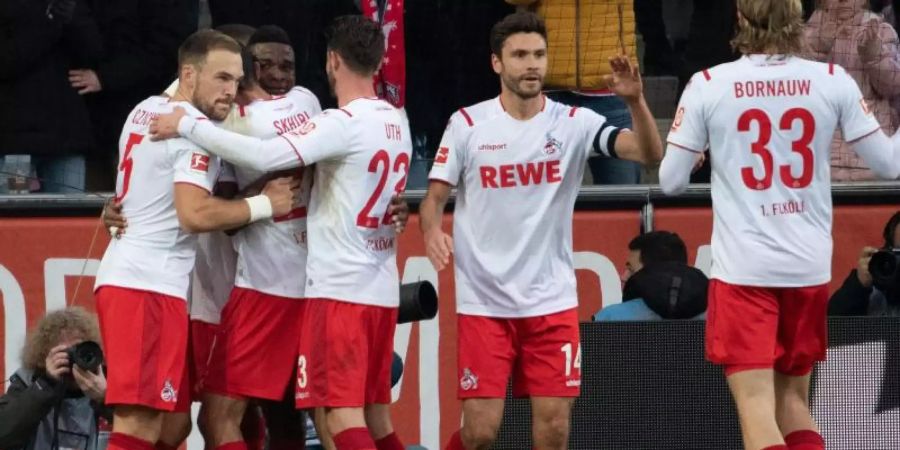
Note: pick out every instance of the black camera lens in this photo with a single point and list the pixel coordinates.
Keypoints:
(884, 269)
(86, 355)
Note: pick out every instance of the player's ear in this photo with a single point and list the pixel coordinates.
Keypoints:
(188, 75)
(496, 63)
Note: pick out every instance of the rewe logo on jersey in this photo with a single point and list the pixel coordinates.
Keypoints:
(200, 162)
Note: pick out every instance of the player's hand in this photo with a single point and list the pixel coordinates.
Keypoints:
(165, 126)
(113, 219)
(700, 160)
(85, 80)
(57, 363)
(281, 193)
(91, 384)
(399, 211)
(625, 80)
(869, 44)
(438, 247)
(862, 266)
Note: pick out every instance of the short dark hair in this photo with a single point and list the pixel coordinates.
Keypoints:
(237, 31)
(889, 228)
(358, 40)
(269, 34)
(517, 22)
(659, 246)
(195, 48)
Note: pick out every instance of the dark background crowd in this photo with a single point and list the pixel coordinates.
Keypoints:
(71, 70)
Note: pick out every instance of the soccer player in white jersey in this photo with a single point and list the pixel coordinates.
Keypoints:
(361, 154)
(517, 161)
(142, 282)
(768, 119)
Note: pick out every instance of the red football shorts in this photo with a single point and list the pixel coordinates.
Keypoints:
(782, 328)
(256, 347)
(145, 343)
(542, 353)
(346, 351)
(203, 337)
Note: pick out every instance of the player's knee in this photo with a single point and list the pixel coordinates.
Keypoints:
(552, 432)
(138, 421)
(176, 428)
(479, 435)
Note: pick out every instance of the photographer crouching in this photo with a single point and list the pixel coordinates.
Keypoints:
(55, 400)
(873, 288)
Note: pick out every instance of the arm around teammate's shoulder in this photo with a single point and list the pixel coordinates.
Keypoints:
(438, 244)
(881, 154)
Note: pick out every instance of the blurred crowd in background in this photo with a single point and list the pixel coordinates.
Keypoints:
(71, 70)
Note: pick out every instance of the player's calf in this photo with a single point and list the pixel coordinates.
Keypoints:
(224, 416)
(135, 428)
(754, 395)
(175, 429)
(378, 420)
(550, 422)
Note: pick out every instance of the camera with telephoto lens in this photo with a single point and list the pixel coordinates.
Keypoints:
(885, 269)
(86, 355)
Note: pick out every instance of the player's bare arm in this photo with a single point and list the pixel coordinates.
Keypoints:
(199, 212)
(265, 155)
(643, 144)
(438, 245)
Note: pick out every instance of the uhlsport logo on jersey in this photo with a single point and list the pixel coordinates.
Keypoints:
(553, 146)
(468, 381)
(200, 162)
(168, 393)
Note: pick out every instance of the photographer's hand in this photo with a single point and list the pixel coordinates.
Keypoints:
(57, 363)
(862, 267)
(92, 384)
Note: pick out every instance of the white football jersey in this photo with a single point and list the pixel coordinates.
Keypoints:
(155, 254)
(517, 182)
(213, 276)
(768, 122)
(272, 253)
(361, 155)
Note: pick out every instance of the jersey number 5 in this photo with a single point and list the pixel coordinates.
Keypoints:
(759, 148)
(382, 158)
(127, 163)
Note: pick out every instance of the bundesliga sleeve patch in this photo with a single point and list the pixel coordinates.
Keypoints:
(442, 154)
(200, 162)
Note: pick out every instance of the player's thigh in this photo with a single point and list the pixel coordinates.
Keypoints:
(802, 329)
(380, 323)
(549, 361)
(486, 354)
(741, 325)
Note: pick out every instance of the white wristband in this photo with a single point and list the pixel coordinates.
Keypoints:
(260, 207)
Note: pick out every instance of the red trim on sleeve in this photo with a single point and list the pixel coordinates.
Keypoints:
(830, 68)
(293, 147)
(572, 111)
(346, 112)
(441, 181)
(466, 116)
(296, 213)
(194, 184)
(241, 110)
(865, 136)
(200, 118)
(706, 74)
(683, 147)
